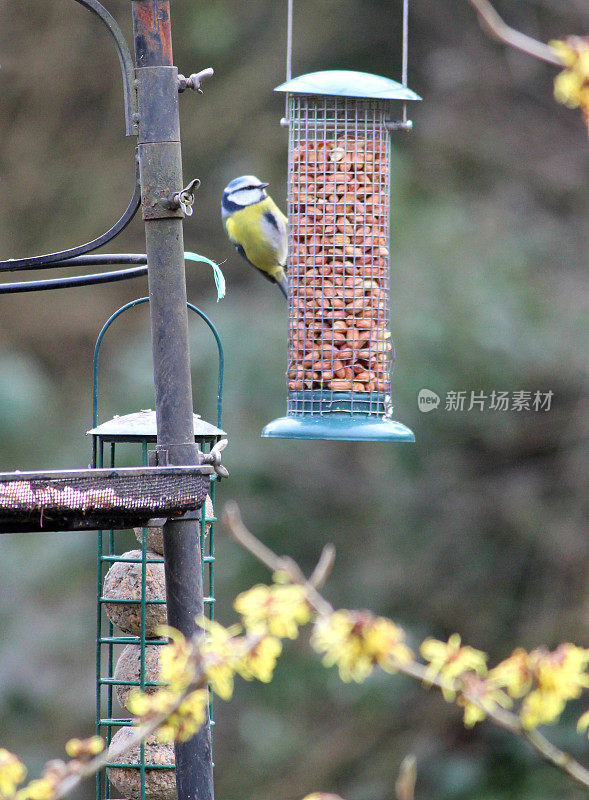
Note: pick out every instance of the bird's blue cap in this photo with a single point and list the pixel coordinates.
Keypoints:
(242, 182)
(348, 83)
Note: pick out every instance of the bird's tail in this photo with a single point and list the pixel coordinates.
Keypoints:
(283, 285)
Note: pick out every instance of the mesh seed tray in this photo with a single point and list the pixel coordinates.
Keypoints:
(98, 498)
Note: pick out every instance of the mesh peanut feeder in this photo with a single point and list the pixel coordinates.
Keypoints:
(340, 350)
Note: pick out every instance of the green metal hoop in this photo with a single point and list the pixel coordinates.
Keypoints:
(133, 304)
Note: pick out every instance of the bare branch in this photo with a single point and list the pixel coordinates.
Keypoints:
(497, 28)
(232, 519)
(555, 756)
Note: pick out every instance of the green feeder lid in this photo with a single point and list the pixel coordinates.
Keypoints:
(142, 425)
(339, 426)
(348, 83)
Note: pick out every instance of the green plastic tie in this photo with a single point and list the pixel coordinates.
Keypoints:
(219, 277)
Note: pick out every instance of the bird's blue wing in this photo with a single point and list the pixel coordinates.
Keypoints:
(276, 228)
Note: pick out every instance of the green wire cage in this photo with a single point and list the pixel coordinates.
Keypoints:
(131, 600)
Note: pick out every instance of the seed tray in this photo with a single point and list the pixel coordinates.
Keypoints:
(87, 499)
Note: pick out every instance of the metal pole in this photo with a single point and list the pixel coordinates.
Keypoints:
(160, 169)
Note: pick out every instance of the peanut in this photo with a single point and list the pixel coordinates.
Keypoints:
(341, 385)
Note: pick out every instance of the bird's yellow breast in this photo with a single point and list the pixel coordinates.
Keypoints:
(264, 244)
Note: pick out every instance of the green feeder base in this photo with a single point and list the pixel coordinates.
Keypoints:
(343, 416)
(339, 426)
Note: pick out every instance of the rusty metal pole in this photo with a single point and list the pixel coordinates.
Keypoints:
(160, 170)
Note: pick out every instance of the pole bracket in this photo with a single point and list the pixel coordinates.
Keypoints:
(214, 458)
(194, 81)
(184, 199)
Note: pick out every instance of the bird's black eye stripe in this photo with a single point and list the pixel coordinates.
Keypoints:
(244, 188)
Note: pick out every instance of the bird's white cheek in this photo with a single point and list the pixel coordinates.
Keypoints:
(247, 197)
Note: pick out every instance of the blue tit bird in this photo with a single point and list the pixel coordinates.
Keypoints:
(257, 227)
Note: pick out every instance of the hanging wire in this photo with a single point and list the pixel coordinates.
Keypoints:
(405, 52)
(405, 41)
(289, 42)
(285, 120)
(404, 58)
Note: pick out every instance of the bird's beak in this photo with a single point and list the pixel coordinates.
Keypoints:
(263, 185)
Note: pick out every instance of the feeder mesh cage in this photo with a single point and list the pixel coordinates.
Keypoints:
(339, 345)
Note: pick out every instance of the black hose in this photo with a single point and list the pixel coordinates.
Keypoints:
(102, 259)
(68, 283)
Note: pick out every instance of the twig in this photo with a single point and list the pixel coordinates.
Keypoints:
(232, 519)
(500, 716)
(507, 720)
(246, 539)
(553, 755)
(140, 733)
(324, 566)
(497, 28)
(405, 784)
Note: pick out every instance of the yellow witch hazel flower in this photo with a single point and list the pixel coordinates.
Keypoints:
(84, 749)
(177, 670)
(322, 796)
(357, 641)
(583, 723)
(571, 86)
(12, 773)
(184, 723)
(220, 652)
(260, 662)
(146, 705)
(483, 698)
(450, 660)
(45, 787)
(176, 665)
(514, 673)
(39, 789)
(386, 642)
(559, 676)
(563, 671)
(181, 723)
(280, 609)
(540, 708)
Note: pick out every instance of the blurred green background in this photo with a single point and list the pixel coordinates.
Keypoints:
(477, 528)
